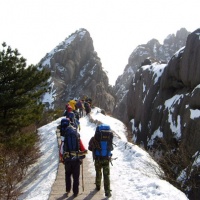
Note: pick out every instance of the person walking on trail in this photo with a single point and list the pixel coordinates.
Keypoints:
(74, 117)
(65, 111)
(101, 146)
(72, 151)
(80, 107)
(87, 107)
(72, 103)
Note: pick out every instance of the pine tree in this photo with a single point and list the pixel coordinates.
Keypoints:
(21, 88)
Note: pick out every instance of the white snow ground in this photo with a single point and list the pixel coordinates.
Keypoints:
(133, 173)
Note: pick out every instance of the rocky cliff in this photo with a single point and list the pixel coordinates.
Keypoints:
(144, 54)
(156, 83)
(76, 71)
(163, 106)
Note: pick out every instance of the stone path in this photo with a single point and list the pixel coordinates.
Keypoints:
(87, 193)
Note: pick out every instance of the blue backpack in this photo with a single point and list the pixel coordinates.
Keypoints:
(104, 136)
(73, 119)
(63, 126)
(71, 143)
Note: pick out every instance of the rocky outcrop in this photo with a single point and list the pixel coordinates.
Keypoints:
(184, 67)
(151, 52)
(163, 102)
(76, 71)
(156, 84)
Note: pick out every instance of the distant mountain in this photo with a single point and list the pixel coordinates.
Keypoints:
(144, 54)
(76, 71)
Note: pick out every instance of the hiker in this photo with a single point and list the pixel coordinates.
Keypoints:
(80, 107)
(76, 114)
(87, 107)
(72, 152)
(73, 116)
(72, 103)
(101, 146)
(66, 107)
(89, 100)
(68, 110)
(63, 127)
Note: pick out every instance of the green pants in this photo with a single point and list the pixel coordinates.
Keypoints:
(99, 165)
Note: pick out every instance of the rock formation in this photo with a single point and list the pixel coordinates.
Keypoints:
(163, 104)
(151, 52)
(76, 71)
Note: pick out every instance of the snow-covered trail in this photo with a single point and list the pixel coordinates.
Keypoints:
(133, 174)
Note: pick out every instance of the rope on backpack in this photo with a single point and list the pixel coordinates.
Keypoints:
(75, 153)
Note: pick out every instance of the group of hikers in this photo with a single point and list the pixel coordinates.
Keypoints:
(79, 106)
(72, 150)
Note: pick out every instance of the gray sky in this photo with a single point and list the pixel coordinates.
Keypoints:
(117, 27)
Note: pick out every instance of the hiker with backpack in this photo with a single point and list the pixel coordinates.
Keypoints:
(87, 107)
(89, 100)
(101, 146)
(72, 152)
(73, 116)
(80, 107)
(72, 103)
(65, 111)
(62, 127)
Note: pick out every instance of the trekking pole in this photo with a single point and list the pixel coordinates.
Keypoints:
(111, 159)
(82, 178)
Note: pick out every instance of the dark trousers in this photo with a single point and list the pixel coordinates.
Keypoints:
(87, 110)
(72, 168)
(81, 112)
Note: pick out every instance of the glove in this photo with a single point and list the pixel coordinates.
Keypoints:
(62, 160)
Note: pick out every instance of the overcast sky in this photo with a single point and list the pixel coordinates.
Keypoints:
(117, 27)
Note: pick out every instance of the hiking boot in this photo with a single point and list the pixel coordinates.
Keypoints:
(75, 195)
(108, 194)
(97, 187)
